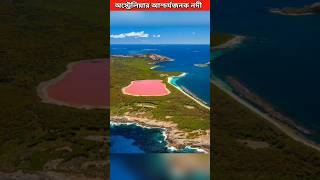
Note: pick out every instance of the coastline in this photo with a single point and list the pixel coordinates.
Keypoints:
(232, 43)
(176, 139)
(154, 67)
(172, 149)
(279, 12)
(185, 93)
(282, 126)
(43, 86)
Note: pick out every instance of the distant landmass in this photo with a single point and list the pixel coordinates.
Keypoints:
(202, 65)
(312, 9)
(229, 41)
(153, 57)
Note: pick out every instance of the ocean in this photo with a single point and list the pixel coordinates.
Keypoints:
(136, 139)
(280, 59)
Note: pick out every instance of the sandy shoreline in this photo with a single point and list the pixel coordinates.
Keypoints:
(43, 87)
(232, 43)
(175, 137)
(285, 128)
(185, 93)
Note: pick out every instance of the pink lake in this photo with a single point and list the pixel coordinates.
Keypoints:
(84, 84)
(146, 88)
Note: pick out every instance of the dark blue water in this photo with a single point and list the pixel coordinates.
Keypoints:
(135, 139)
(185, 56)
(280, 61)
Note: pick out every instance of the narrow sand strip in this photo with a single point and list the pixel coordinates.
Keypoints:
(185, 93)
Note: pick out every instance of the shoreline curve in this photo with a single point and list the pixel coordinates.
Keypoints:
(42, 88)
(185, 93)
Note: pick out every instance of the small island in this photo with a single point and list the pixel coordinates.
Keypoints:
(312, 9)
(202, 65)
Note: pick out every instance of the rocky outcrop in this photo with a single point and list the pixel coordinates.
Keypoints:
(156, 57)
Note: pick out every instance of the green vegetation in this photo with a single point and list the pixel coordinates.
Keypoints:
(125, 70)
(282, 158)
(38, 39)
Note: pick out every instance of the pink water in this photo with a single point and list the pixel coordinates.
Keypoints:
(146, 88)
(86, 85)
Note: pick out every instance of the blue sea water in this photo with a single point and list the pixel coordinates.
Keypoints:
(280, 59)
(137, 139)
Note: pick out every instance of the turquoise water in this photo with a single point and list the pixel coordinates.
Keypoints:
(174, 81)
